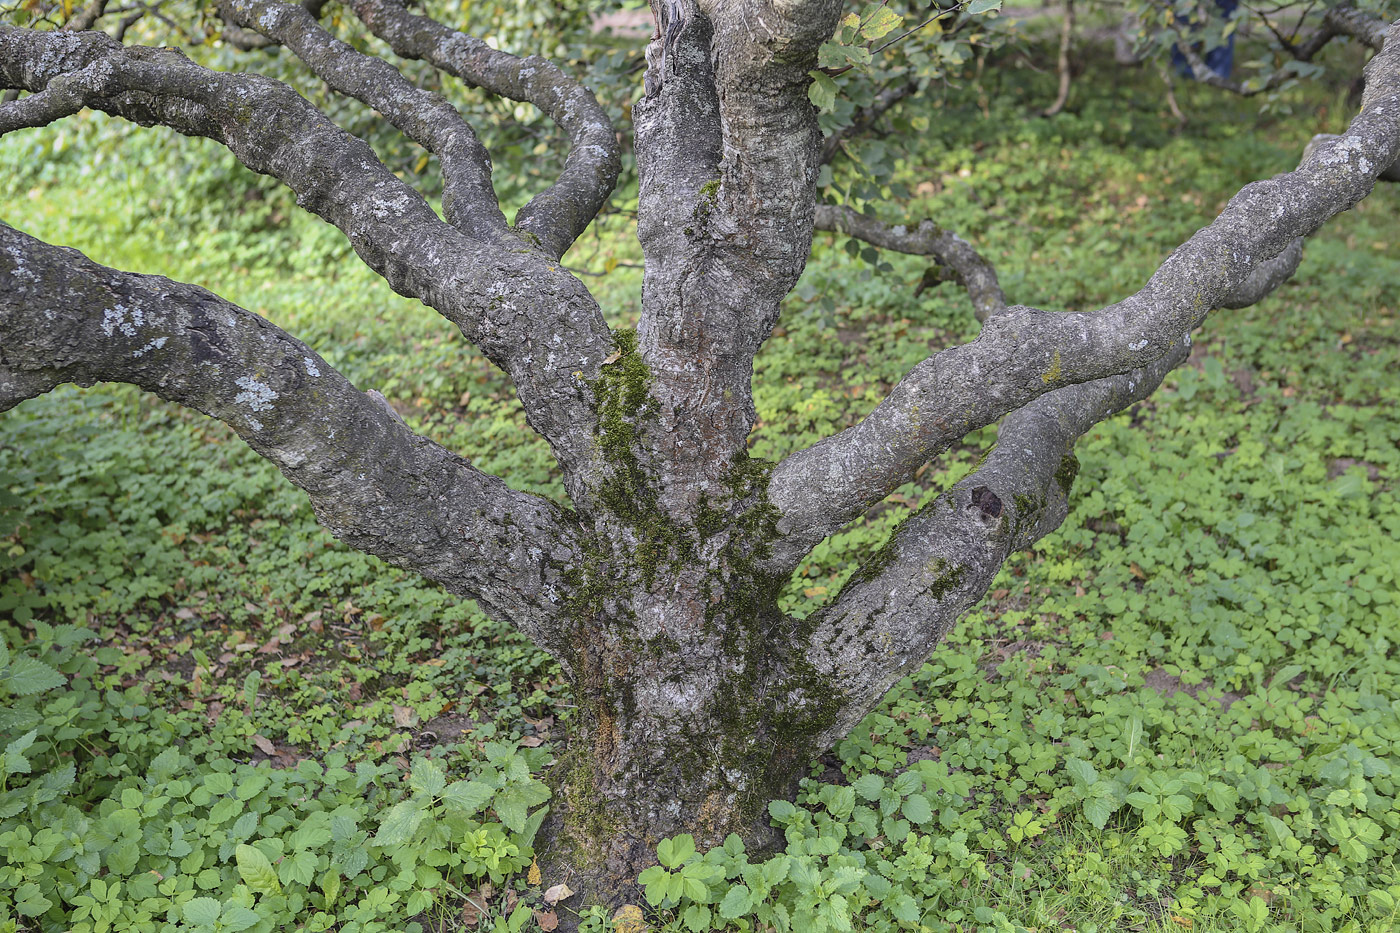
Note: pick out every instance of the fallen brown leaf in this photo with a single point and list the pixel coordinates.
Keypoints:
(559, 892)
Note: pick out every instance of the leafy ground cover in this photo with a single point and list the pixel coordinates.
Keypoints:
(1180, 712)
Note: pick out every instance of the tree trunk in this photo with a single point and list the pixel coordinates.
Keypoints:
(694, 704)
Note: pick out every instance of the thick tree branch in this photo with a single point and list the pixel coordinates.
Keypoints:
(559, 214)
(1026, 353)
(527, 315)
(374, 483)
(87, 17)
(727, 150)
(944, 557)
(1349, 21)
(248, 39)
(944, 247)
(468, 200)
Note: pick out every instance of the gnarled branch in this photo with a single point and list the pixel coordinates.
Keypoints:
(373, 482)
(944, 247)
(468, 200)
(945, 556)
(560, 213)
(248, 40)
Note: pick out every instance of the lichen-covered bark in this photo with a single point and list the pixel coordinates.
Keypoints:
(728, 150)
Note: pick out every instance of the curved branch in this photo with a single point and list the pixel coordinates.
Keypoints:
(1347, 20)
(87, 17)
(927, 239)
(1025, 353)
(248, 39)
(560, 213)
(374, 483)
(468, 199)
(944, 557)
(528, 316)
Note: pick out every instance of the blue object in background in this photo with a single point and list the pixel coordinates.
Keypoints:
(1221, 59)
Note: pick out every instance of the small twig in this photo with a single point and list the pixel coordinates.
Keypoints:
(1066, 34)
(834, 72)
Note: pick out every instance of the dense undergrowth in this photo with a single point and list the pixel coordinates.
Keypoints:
(1180, 712)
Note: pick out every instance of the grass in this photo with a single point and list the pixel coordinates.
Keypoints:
(1179, 712)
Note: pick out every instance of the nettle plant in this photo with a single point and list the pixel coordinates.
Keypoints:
(656, 585)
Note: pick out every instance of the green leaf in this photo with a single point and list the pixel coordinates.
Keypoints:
(30, 900)
(27, 676)
(905, 909)
(978, 7)
(916, 809)
(400, 823)
(673, 852)
(238, 918)
(467, 796)
(781, 810)
(695, 889)
(822, 92)
(869, 786)
(203, 911)
(428, 777)
(256, 871)
(1083, 773)
(512, 805)
(736, 903)
(882, 22)
(1098, 810)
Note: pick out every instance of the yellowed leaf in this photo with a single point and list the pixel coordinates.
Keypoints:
(533, 877)
(628, 919)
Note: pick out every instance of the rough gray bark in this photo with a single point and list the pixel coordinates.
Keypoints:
(697, 699)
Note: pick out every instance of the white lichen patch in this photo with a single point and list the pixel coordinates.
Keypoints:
(255, 395)
(122, 319)
(153, 345)
(1141, 344)
(1341, 152)
(20, 269)
(310, 364)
